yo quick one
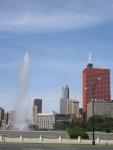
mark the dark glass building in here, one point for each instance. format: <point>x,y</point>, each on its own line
<point>38,105</point>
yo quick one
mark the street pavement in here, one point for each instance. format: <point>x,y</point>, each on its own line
<point>52,147</point>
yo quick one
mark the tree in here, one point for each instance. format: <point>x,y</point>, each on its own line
<point>102,123</point>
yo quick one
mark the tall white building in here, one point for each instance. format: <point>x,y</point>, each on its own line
<point>65,92</point>
<point>67,105</point>
<point>63,99</point>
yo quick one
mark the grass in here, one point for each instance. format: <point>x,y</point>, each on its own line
<point>58,144</point>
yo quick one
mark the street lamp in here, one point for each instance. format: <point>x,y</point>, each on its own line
<point>93,122</point>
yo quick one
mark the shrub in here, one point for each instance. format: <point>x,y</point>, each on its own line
<point>75,132</point>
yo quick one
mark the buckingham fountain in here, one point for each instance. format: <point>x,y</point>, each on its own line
<point>21,105</point>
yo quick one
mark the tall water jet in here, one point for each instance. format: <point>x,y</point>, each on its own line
<point>21,107</point>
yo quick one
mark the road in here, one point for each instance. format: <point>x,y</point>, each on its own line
<point>52,147</point>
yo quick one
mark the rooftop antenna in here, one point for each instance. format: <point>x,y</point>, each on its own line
<point>90,64</point>
<point>90,58</point>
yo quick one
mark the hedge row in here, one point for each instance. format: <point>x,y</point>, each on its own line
<point>75,132</point>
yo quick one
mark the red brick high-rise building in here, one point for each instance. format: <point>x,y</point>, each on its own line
<point>96,85</point>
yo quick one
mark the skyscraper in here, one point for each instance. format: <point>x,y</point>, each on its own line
<point>36,108</point>
<point>63,100</point>
<point>67,105</point>
<point>38,105</point>
<point>98,77</point>
<point>65,92</point>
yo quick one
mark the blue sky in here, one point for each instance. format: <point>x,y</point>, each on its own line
<point>58,35</point>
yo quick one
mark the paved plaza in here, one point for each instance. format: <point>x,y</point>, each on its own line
<point>50,134</point>
<point>34,134</point>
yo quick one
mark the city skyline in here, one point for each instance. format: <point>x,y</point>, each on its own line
<point>58,36</point>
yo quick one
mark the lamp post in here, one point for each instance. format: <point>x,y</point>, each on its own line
<point>93,121</point>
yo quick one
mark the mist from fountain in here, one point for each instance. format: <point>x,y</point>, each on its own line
<point>22,104</point>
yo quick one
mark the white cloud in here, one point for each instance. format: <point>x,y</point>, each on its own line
<point>63,21</point>
<point>74,16</point>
